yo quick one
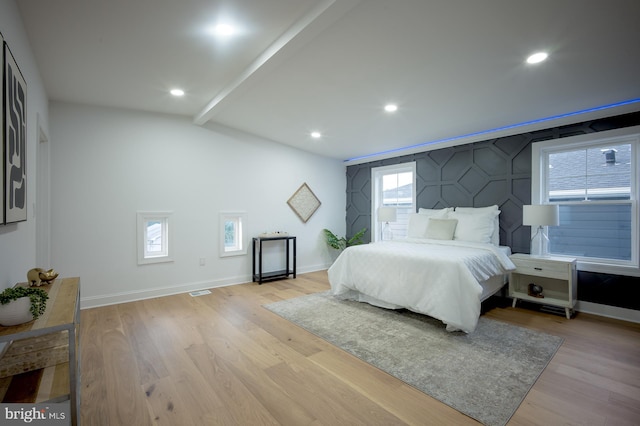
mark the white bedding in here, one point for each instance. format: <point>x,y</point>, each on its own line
<point>439,278</point>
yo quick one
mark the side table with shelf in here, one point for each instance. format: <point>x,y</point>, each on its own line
<point>556,275</point>
<point>260,276</point>
<point>60,319</point>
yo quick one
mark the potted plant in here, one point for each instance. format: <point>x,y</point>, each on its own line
<point>340,243</point>
<point>21,304</point>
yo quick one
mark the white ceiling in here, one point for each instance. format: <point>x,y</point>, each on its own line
<point>454,67</point>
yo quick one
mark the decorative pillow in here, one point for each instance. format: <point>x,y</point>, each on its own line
<point>474,227</point>
<point>441,229</point>
<point>495,237</point>
<point>435,212</point>
<point>417,225</point>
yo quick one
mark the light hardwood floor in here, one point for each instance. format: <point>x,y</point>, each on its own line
<point>223,359</point>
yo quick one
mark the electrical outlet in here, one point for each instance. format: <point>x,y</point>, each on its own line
<point>202,261</point>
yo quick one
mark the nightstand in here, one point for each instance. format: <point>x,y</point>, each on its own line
<point>556,275</point>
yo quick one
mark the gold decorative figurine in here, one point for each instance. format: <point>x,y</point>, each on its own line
<point>38,276</point>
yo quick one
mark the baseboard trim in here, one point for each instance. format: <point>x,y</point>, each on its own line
<point>614,312</point>
<point>134,295</point>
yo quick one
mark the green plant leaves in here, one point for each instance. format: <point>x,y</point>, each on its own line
<point>37,296</point>
<point>340,243</point>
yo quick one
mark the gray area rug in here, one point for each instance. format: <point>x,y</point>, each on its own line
<point>485,374</point>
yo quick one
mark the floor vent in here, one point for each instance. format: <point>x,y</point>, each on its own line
<point>199,293</point>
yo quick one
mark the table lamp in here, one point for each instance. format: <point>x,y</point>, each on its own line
<point>540,216</point>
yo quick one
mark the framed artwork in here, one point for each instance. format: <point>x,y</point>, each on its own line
<point>15,140</point>
<point>2,127</point>
<point>304,202</point>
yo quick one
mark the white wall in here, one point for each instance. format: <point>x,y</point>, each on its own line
<point>109,163</point>
<point>18,240</point>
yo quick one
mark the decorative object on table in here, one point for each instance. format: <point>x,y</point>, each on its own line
<point>340,243</point>
<point>304,202</point>
<point>386,214</point>
<point>38,276</point>
<point>15,140</point>
<point>273,234</point>
<point>535,290</point>
<point>540,216</point>
<point>21,304</point>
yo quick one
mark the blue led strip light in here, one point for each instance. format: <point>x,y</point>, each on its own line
<point>498,129</point>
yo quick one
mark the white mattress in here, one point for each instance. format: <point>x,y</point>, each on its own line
<point>444,279</point>
<point>494,284</point>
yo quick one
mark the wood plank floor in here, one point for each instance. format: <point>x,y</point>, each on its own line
<point>223,359</point>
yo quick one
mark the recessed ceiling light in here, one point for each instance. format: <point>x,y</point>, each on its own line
<point>537,57</point>
<point>391,107</point>
<point>224,30</point>
<point>177,92</point>
<point>316,135</point>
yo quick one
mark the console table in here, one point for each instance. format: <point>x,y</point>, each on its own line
<point>290,267</point>
<point>62,313</point>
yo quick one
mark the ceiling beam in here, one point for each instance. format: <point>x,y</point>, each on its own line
<point>300,33</point>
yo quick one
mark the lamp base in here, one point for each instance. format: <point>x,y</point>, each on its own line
<point>540,244</point>
<point>387,234</point>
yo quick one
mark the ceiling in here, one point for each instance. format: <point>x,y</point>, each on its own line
<point>455,68</point>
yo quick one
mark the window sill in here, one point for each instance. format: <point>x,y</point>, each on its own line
<point>151,260</point>
<point>603,268</point>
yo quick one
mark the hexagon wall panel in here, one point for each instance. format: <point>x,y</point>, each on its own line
<point>496,171</point>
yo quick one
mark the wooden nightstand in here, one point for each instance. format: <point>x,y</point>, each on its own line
<point>556,275</point>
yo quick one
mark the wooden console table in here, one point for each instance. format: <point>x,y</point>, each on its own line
<point>62,313</point>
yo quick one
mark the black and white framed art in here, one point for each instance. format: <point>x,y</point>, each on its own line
<point>2,128</point>
<point>15,140</point>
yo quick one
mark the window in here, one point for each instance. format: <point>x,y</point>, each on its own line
<point>594,180</point>
<point>393,186</point>
<point>153,237</point>
<point>232,229</point>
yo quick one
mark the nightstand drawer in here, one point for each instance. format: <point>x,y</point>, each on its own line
<point>542,267</point>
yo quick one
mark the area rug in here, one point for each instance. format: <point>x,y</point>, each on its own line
<point>485,374</point>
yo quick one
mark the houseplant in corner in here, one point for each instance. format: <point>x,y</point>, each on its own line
<point>21,304</point>
<point>340,243</point>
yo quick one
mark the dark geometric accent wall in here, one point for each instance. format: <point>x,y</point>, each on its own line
<point>473,175</point>
<point>495,171</point>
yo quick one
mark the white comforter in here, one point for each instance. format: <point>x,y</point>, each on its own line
<point>433,277</point>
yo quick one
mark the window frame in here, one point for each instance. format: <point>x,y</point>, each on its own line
<point>165,255</point>
<point>376,193</point>
<point>539,186</point>
<point>241,219</point>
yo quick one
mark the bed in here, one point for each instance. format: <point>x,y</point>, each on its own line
<point>445,268</point>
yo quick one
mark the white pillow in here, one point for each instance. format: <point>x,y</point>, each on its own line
<point>441,229</point>
<point>435,212</point>
<point>474,227</point>
<point>495,237</point>
<point>417,225</point>
<point>477,209</point>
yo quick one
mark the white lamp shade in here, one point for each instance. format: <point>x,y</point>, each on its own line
<point>386,214</point>
<point>540,215</point>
